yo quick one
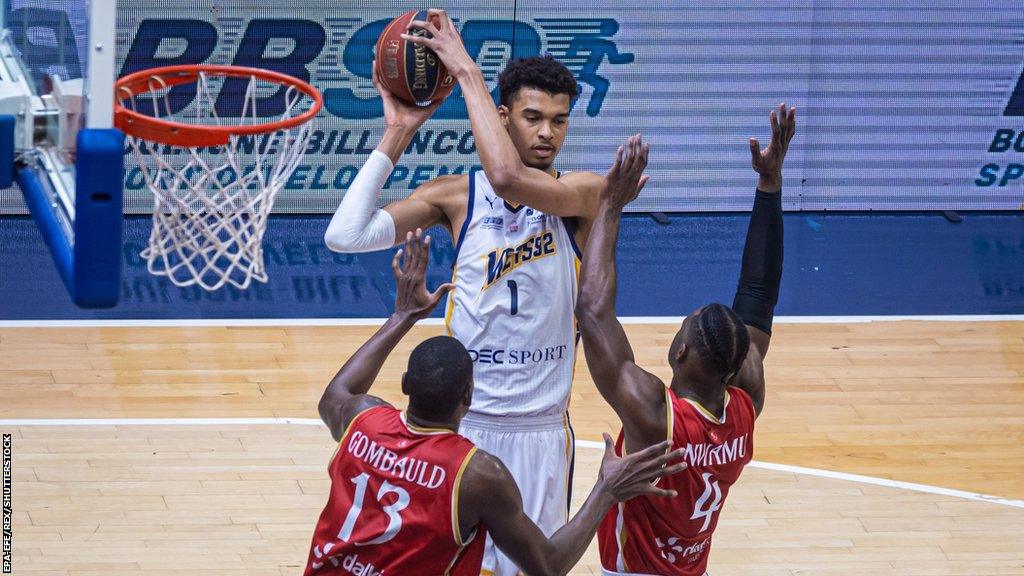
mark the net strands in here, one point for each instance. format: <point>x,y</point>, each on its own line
<point>212,203</point>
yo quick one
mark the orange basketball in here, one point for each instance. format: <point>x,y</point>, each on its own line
<point>411,72</point>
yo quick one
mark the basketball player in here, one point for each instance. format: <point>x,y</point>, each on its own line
<point>717,387</point>
<point>409,495</point>
<point>517,228</point>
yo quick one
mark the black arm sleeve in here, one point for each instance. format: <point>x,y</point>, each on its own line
<point>758,288</point>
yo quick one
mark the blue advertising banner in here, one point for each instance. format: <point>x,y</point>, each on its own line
<point>902,105</point>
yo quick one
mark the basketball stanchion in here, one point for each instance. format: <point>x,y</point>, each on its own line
<point>214,164</point>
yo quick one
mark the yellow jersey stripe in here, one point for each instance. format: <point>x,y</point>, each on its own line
<point>455,497</point>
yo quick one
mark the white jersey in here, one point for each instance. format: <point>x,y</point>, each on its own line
<point>515,276</point>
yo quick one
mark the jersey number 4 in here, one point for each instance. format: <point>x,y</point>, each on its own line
<point>392,510</point>
<point>709,502</point>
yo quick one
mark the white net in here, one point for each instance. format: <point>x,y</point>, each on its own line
<point>212,204</point>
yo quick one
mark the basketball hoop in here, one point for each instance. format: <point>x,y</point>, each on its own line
<point>214,181</point>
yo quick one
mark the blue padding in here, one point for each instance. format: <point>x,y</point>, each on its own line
<point>91,267</point>
<point>99,182</point>
<point>6,150</point>
<point>46,220</point>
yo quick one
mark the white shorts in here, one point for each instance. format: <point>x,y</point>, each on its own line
<point>538,451</point>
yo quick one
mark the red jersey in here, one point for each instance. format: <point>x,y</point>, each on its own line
<point>393,506</point>
<point>672,536</point>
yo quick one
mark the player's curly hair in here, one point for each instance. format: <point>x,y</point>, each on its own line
<point>722,340</point>
<point>540,72</point>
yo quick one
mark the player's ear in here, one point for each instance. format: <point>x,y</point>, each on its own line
<point>467,398</point>
<point>681,353</point>
<point>405,386</point>
<point>503,113</point>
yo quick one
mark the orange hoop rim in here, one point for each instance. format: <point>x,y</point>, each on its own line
<point>173,133</point>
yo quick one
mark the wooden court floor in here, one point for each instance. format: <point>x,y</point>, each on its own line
<point>939,404</point>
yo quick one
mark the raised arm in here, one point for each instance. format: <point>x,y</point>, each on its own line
<point>633,393</point>
<point>358,225</point>
<point>346,395</point>
<point>761,274</point>
<point>511,179</point>
<point>490,497</point>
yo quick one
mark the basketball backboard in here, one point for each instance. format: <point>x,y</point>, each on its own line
<point>57,141</point>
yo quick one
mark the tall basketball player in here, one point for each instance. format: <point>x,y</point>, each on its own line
<point>517,228</point>
<point>717,387</point>
<point>410,496</point>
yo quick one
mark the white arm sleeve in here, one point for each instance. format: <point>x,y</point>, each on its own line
<point>358,225</point>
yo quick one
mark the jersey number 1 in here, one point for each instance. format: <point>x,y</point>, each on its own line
<point>392,510</point>
<point>513,288</point>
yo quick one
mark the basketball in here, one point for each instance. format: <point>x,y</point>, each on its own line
<point>411,72</point>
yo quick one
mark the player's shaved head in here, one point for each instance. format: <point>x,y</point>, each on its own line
<point>439,374</point>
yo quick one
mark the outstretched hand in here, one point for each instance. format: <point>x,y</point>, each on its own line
<point>626,179</point>
<point>413,300</point>
<point>768,162</point>
<point>626,477</point>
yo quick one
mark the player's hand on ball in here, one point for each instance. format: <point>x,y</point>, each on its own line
<point>626,179</point>
<point>412,299</point>
<point>399,114</point>
<point>768,162</point>
<point>444,40</point>
<point>635,474</point>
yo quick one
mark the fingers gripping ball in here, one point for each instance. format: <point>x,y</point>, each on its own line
<point>410,71</point>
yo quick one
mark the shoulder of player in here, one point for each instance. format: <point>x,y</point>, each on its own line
<point>443,189</point>
<point>646,407</point>
<point>448,184</point>
<point>357,406</point>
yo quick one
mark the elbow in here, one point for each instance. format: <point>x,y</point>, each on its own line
<point>345,240</point>
<point>324,409</point>
<point>584,312</point>
<point>587,314</point>
<point>334,244</point>
<point>337,239</point>
<point>504,181</point>
<point>329,415</point>
<point>589,303</point>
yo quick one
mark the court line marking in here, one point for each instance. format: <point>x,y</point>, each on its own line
<point>286,322</point>
<point>589,444</point>
<point>938,490</point>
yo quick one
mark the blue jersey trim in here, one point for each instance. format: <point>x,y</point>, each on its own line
<point>469,215</point>
<point>569,223</point>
